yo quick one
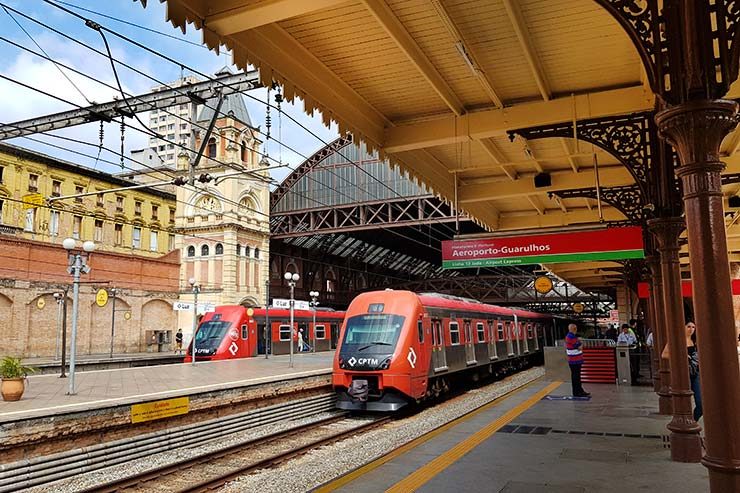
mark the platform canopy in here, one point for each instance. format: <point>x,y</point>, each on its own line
<point>435,86</point>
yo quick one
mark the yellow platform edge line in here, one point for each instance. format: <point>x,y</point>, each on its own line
<point>362,470</point>
<point>422,475</point>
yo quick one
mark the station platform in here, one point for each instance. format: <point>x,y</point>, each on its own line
<point>524,443</point>
<point>47,420</point>
<point>90,362</point>
<point>46,395</point>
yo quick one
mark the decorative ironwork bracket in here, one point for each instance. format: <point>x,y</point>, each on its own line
<point>675,72</point>
<point>632,139</point>
<point>628,199</point>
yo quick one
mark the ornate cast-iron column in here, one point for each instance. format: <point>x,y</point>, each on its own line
<point>685,439</point>
<point>696,129</point>
<point>665,404</point>
<point>653,324</point>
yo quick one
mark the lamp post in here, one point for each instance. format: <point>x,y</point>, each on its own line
<point>196,289</point>
<point>267,315</point>
<point>314,295</point>
<point>292,278</point>
<point>77,267</point>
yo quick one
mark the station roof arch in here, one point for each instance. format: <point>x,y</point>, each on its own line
<point>436,88</point>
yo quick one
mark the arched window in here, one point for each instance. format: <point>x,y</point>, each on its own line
<point>238,250</point>
<point>204,251</point>
<point>212,147</point>
<point>247,251</point>
<point>219,249</point>
<point>191,251</point>
<point>244,151</point>
<point>256,253</point>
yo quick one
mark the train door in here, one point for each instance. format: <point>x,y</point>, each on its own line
<point>517,334</point>
<point>334,335</point>
<point>469,344</point>
<point>526,331</point>
<point>509,340</point>
<point>303,338</point>
<point>492,350</point>
<point>439,356</point>
<point>263,336</point>
<point>537,337</point>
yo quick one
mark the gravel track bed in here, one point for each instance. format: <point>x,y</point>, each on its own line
<point>319,466</point>
<point>82,481</point>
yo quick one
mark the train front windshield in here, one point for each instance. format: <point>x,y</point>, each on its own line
<point>210,334</point>
<point>373,332</point>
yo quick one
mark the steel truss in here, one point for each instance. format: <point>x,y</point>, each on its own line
<point>403,211</point>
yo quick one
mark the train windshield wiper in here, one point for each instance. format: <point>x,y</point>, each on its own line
<point>376,343</point>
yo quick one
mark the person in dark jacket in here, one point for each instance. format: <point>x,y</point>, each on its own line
<point>575,360</point>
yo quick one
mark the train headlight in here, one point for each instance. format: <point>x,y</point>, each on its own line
<point>386,363</point>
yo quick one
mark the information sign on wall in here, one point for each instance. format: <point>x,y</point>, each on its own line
<point>149,411</point>
<point>603,244</point>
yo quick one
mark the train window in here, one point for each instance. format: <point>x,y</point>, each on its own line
<point>529,331</point>
<point>500,331</point>
<point>454,333</point>
<point>420,327</point>
<point>320,332</point>
<point>481,332</point>
<point>285,332</point>
<point>245,331</point>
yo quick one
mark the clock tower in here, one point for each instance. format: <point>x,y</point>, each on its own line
<point>224,224</point>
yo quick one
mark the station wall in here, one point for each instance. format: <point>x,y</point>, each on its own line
<point>31,272</point>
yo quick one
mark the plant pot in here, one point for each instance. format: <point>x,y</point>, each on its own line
<point>12,388</point>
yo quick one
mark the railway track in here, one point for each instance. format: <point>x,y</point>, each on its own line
<point>214,469</point>
<point>23,474</point>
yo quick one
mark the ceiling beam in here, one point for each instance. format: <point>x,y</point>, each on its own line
<point>232,16</point>
<point>467,53</point>
<point>395,29</point>
<point>527,220</point>
<point>525,40</point>
<point>611,176</point>
<point>309,76</point>
<point>535,201</point>
<point>495,122</point>
<point>495,153</point>
<point>571,159</point>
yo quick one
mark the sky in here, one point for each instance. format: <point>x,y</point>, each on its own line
<point>19,103</point>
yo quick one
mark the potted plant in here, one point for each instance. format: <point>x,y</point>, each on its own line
<point>13,375</point>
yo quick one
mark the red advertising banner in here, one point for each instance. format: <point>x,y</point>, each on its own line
<point>603,244</point>
<point>687,289</point>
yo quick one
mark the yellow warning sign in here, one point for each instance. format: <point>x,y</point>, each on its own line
<point>543,284</point>
<point>159,409</point>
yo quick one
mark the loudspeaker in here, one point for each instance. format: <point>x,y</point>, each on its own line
<point>734,201</point>
<point>543,180</point>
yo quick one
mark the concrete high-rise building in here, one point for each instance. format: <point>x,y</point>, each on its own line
<point>173,124</point>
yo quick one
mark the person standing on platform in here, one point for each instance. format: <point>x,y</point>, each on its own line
<point>575,360</point>
<point>178,341</point>
<point>694,368</point>
<point>627,338</point>
<point>300,340</point>
<point>612,333</point>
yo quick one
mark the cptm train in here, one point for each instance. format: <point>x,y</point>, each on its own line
<point>233,331</point>
<point>399,347</point>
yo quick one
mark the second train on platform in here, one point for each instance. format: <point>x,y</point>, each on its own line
<point>398,347</point>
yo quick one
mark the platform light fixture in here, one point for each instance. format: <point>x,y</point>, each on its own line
<point>77,265</point>
<point>292,278</point>
<point>196,289</point>
<point>314,303</point>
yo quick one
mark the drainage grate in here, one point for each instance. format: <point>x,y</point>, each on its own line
<point>545,430</point>
<point>525,429</point>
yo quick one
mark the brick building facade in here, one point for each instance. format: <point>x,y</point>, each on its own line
<point>32,271</point>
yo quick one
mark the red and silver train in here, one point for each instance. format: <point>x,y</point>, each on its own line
<point>398,347</point>
<point>233,331</point>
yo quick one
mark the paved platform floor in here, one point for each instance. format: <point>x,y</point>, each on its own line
<point>612,443</point>
<point>102,358</point>
<point>46,395</point>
